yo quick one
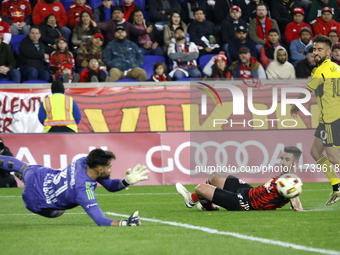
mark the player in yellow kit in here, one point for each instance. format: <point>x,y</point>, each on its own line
<point>325,83</point>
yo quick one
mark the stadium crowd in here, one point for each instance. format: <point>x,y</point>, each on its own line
<point>162,40</point>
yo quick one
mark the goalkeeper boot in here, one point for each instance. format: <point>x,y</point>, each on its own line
<point>185,194</point>
<point>335,196</point>
<point>214,207</point>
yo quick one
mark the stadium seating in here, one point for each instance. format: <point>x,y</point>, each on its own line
<point>203,60</point>
<point>67,4</point>
<point>4,80</point>
<point>127,80</point>
<point>15,43</point>
<point>149,62</point>
<point>35,81</point>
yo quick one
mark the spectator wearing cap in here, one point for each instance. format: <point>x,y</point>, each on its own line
<point>149,43</point>
<point>304,67</point>
<point>62,62</point>
<point>33,58</point>
<point>124,58</point>
<point>333,35</point>
<point>217,67</point>
<point>299,47</point>
<point>241,40</point>
<point>325,23</point>
<point>281,11</point>
<point>84,30</point>
<point>204,34</point>
<point>183,56</point>
<point>50,31</point>
<point>280,68</point>
<point>259,27</point>
<point>129,7</point>
<point>59,113</point>
<point>160,10</point>
<point>92,50</point>
<point>267,51</point>
<point>18,14</point>
<point>104,11</point>
<point>7,63</point>
<point>293,29</point>
<point>247,66</point>
<point>74,13</point>
<point>316,7</point>
<point>109,26</point>
<point>5,32</point>
<point>45,7</point>
<point>230,24</point>
<point>336,53</point>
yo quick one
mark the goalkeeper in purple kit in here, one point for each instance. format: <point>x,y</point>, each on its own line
<point>50,192</point>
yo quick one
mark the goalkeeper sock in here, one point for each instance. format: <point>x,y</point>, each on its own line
<point>11,164</point>
<point>194,197</point>
<point>327,168</point>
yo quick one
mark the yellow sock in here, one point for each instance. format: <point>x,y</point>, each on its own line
<point>327,168</point>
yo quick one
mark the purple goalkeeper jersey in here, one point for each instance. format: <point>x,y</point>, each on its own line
<point>46,188</point>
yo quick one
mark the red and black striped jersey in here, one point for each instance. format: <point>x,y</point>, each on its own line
<point>266,196</point>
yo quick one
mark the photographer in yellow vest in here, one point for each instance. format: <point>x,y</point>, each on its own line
<point>59,113</point>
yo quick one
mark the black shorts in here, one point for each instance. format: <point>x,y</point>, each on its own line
<point>329,133</point>
<point>234,195</point>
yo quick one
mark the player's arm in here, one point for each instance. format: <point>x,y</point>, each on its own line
<point>296,204</point>
<point>87,199</point>
<point>295,110</point>
<point>137,174</point>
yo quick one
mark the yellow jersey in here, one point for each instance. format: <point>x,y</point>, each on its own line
<point>326,84</point>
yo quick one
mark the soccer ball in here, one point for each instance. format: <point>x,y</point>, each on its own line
<point>289,185</point>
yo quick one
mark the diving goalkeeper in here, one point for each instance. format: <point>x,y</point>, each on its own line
<point>50,192</point>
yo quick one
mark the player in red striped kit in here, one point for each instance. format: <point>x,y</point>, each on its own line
<point>235,195</point>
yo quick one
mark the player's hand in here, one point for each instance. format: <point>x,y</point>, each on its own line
<point>137,174</point>
<point>294,111</point>
<point>132,221</point>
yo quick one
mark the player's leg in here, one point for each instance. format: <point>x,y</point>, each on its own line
<point>11,164</point>
<point>205,194</point>
<point>330,136</point>
<point>190,199</point>
<point>218,179</point>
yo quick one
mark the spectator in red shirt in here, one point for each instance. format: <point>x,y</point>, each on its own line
<point>46,7</point>
<point>5,32</point>
<point>18,14</point>
<point>293,29</point>
<point>75,10</point>
<point>326,22</point>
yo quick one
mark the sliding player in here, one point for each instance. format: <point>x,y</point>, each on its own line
<point>50,192</point>
<point>235,195</point>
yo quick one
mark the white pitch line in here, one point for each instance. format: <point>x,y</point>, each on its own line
<point>236,235</point>
<point>117,194</point>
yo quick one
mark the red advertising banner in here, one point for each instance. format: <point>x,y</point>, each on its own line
<point>160,109</point>
<point>186,157</point>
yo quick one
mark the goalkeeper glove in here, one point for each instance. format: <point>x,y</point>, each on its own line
<point>132,221</point>
<point>137,174</point>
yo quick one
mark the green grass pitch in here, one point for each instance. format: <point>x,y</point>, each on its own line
<point>316,231</point>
